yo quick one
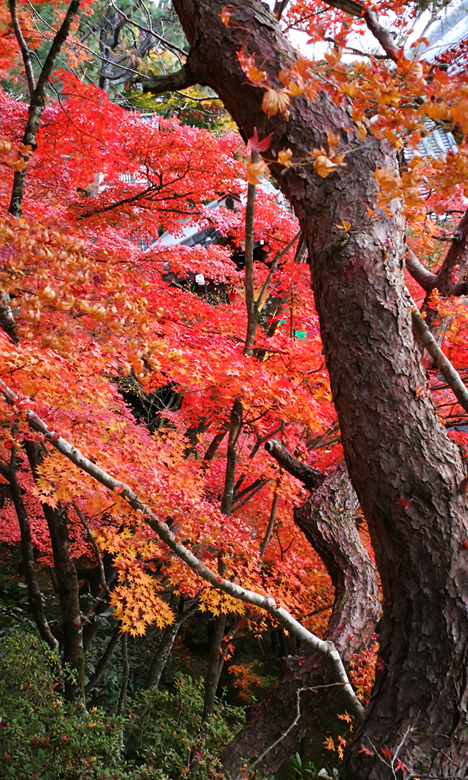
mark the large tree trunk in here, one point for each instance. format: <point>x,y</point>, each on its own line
<point>407,473</point>
<point>301,696</point>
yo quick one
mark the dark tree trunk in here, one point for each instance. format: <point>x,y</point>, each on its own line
<point>297,700</point>
<point>67,586</point>
<point>34,592</point>
<point>405,470</point>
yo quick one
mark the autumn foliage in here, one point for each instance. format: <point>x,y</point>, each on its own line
<point>119,348</point>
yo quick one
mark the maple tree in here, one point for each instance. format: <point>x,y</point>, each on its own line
<point>90,319</point>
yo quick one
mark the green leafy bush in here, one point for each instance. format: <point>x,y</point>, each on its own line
<point>44,737</point>
<point>41,736</point>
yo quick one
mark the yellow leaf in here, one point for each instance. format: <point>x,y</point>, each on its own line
<point>362,132</point>
<point>17,165</point>
<point>275,100</point>
<point>254,170</point>
<point>324,166</point>
<point>295,89</point>
<point>344,226</point>
<point>284,158</point>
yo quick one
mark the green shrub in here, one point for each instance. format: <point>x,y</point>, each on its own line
<point>44,737</point>
<point>167,730</point>
<point>41,736</point>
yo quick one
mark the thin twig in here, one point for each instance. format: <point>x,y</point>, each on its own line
<point>261,298</point>
<point>247,772</point>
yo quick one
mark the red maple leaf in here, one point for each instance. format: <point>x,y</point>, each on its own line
<point>259,146</point>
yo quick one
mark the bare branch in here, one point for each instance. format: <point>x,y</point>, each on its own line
<point>279,255</point>
<point>167,44</point>
<point>37,104</point>
<point>450,374</point>
<point>25,53</point>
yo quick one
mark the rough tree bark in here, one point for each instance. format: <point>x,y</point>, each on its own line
<point>328,520</point>
<point>408,475</point>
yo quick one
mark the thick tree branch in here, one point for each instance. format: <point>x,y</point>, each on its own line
<point>359,10</point>
<point>426,279</point>
<point>328,520</point>
<point>67,582</point>
<point>271,523</point>
<point>235,427</point>
<point>7,321</point>
<point>310,477</point>
<point>280,7</point>
<point>181,79</point>
<point>450,279</point>
<point>381,34</point>
<point>162,530</point>
<point>451,276</point>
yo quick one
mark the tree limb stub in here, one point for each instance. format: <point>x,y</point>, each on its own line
<point>310,477</point>
<point>162,530</point>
